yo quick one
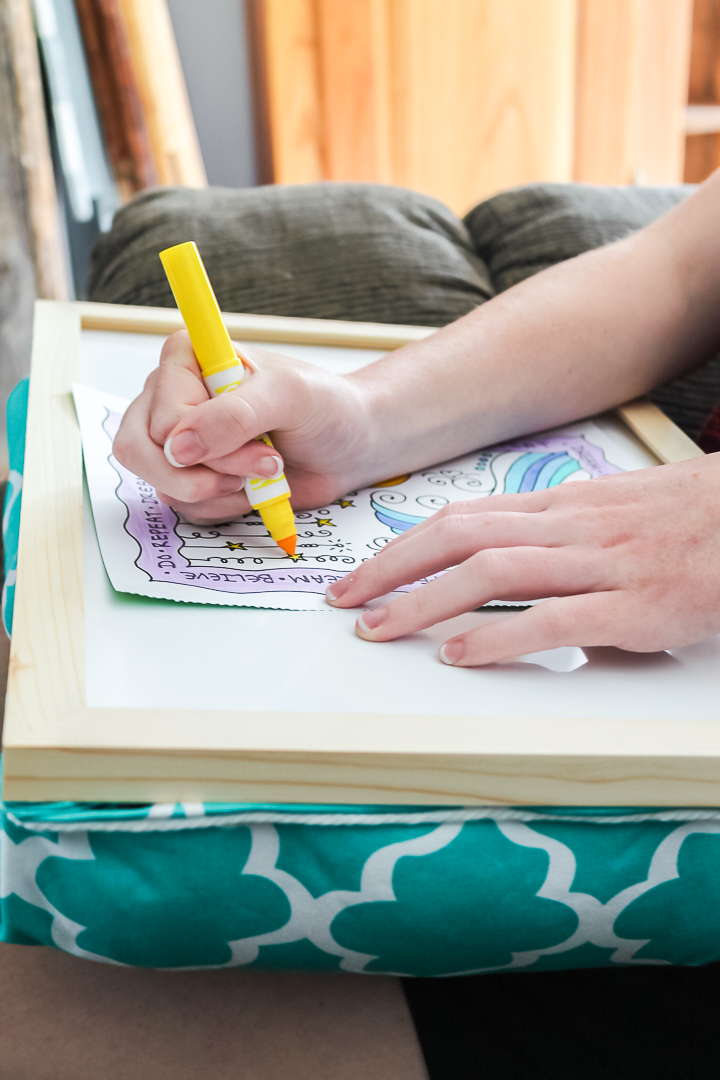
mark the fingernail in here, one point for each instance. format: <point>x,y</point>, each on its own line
<point>184,449</point>
<point>451,652</point>
<point>370,620</point>
<point>168,455</point>
<point>271,468</point>
<point>338,588</point>
<point>230,484</point>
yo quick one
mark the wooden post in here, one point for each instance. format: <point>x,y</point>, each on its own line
<point>162,87</point>
<point>28,188</point>
<point>32,256</point>
<point>117,95</point>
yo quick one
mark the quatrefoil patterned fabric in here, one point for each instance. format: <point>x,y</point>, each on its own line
<point>410,890</point>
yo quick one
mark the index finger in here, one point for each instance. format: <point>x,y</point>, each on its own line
<point>177,386</point>
<point>448,540</point>
<point>134,449</point>
<point>533,502</point>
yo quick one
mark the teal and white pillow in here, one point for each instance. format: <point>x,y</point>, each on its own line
<point>409,890</point>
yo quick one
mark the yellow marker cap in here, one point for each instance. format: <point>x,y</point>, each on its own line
<point>199,308</point>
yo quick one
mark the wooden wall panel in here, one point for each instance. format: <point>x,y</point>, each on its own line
<point>465,98</point>
<point>482,94</point>
<point>633,61</point>
<point>455,99</point>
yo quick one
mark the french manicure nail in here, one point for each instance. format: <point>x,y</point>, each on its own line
<point>184,449</point>
<point>451,652</point>
<point>370,620</point>
<point>168,455</point>
<point>338,588</point>
<point>271,468</point>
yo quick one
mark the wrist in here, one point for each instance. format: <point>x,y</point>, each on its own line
<point>376,418</point>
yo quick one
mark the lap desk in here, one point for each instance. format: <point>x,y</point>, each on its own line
<point>114,698</point>
<point>358,807</point>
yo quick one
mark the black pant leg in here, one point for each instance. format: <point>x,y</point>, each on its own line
<point>595,1024</point>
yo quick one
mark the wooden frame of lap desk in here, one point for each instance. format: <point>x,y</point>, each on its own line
<point>58,748</point>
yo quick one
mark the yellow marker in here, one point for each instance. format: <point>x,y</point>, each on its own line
<point>222,371</point>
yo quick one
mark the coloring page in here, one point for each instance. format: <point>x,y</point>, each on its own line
<point>150,550</point>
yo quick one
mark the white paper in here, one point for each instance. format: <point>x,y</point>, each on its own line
<point>150,550</point>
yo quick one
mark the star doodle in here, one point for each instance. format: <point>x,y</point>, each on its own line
<point>235,547</point>
<point>345,503</point>
<point>297,557</point>
<point>325,521</point>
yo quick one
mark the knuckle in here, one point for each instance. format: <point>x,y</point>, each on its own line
<point>123,447</point>
<point>212,511</point>
<point>160,429</point>
<point>375,572</point>
<point>558,623</point>
<point>611,625</point>
<point>445,511</point>
<point>198,488</point>
<point>182,488</point>
<point>468,508</point>
<point>409,608</point>
<point>231,417</point>
<point>490,566</point>
<point>174,344</point>
<point>197,516</point>
<point>151,381</point>
<point>451,527</point>
<point>239,409</point>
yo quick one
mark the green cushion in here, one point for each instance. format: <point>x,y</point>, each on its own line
<point>527,229</point>
<point>363,252</point>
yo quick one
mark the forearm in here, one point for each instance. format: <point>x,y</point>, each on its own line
<point>579,338</point>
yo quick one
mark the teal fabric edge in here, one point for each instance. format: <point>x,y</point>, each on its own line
<point>16,422</point>
<point>75,817</point>
<point>192,815</point>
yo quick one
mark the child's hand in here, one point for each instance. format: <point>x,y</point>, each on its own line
<point>317,421</point>
<point>632,560</point>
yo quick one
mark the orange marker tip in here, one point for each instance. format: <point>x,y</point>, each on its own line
<point>288,544</point>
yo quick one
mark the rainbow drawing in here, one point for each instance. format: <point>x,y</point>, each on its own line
<point>538,471</point>
<point>529,465</point>
<point>389,515</point>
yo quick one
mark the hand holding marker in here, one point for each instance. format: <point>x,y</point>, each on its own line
<point>223,371</point>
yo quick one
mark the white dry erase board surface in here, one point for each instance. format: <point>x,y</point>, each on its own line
<point>120,697</point>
